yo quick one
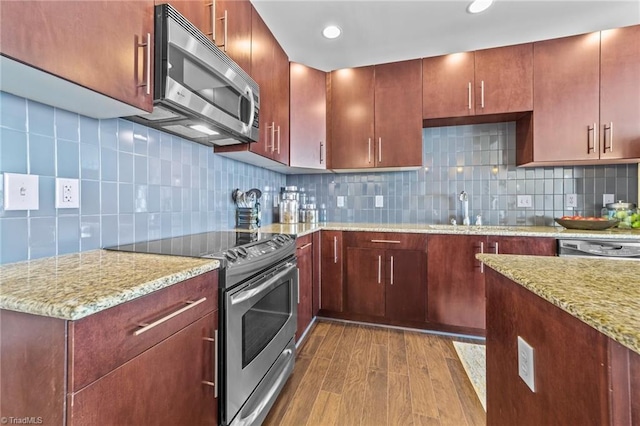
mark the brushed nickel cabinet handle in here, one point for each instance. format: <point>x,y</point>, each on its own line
<point>591,138</point>
<point>604,137</point>
<point>379,269</point>
<point>335,249</point>
<point>213,384</point>
<point>391,270</point>
<point>496,247</point>
<point>469,93</point>
<point>273,136</point>
<point>147,65</point>
<point>321,152</point>
<point>147,327</point>
<point>212,6</point>
<point>369,150</point>
<point>386,241</point>
<point>278,139</point>
<point>482,94</point>
<point>481,263</point>
<point>224,40</point>
<point>305,246</point>
<point>379,150</point>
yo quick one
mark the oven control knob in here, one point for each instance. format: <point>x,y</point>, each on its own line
<point>231,255</point>
<point>242,252</point>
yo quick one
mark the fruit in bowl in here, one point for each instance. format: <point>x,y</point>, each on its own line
<point>586,222</point>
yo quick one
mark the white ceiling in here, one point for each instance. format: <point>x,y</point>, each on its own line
<point>380,31</point>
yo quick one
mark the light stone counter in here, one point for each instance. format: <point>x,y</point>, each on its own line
<point>604,294</point>
<point>521,231</point>
<point>77,285</point>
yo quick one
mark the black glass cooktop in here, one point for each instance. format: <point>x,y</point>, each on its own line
<point>206,244</point>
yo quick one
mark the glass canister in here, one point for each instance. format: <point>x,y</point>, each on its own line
<point>623,212</point>
<point>289,204</point>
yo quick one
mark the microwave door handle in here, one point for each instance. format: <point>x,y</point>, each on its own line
<point>246,127</point>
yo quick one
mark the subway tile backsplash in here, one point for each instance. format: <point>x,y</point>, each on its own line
<point>136,183</point>
<point>478,159</point>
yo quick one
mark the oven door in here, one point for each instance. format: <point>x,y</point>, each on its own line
<point>261,318</point>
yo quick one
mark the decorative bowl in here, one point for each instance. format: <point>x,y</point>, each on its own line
<point>586,224</point>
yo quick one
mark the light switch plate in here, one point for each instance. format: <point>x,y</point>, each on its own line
<point>21,192</point>
<point>379,201</point>
<point>526,363</point>
<point>608,199</point>
<point>340,201</point>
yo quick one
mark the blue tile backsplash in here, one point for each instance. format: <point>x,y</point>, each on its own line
<point>136,183</point>
<point>478,159</point>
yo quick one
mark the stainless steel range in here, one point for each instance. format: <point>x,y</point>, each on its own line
<point>258,314</point>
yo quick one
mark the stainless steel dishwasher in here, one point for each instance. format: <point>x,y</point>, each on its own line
<point>609,249</point>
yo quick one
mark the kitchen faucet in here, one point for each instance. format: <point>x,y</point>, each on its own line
<point>465,208</point>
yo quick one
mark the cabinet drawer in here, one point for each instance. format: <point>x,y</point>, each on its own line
<point>304,242</point>
<point>386,240</point>
<point>101,342</point>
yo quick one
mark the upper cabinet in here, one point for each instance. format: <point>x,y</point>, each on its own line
<point>100,45</point>
<point>491,81</point>
<point>233,30</point>
<point>586,100</point>
<point>375,116</point>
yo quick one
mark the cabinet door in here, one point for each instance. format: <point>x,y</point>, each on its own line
<point>620,93</point>
<point>95,44</point>
<point>566,95</point>
<point>280,76</point>
<point>163,385</point>
<point>504,79</point>
<point>406,285</point>
<point>233,30</point>
<point>308,132</point>
<point>448,86</point>
<point>352,132</point>
<point>366,269</point>
<point>398,118</point>
<point>532,246</point>
<point>262,60</point>
<point>331,288</point>
<point>304,253</point>
<point>455,293</point>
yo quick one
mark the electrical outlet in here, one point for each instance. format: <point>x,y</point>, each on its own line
<point>67,193</point>
<point>379,201</point>
<point>524,201</point>
<point>608,199</point>
<point>21,192</point>
<point>571,201</point>
<point>526,363</point>
<point>340,201</point>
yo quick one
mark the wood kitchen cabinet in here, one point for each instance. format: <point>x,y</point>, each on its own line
<point>304,253</point>
<point>456,289</point>
<point>308,114</point>
<point>233,30</point>
<point>375,116</point>
<point>332,267</point>
<point>587,100</point>
<point>106,367</point>
<point>98,45</point>
<point>490,81</point>
<point>270,69</point>
<point>386,275</point>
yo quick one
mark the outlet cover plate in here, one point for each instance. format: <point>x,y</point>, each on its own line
<point>526,363</point>
<point>340,201</point>
<point>67,193</point>
<point>524,201</point>
<point>571,201</point>
<point>379,201</point>
<point>21,192</point>
<point>608,199</point>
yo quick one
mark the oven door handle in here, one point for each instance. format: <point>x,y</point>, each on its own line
<point>245,295</point>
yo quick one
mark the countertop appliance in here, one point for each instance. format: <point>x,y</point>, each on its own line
<point>259,295</point>
<point>199,93</point>
<point>620,249</point>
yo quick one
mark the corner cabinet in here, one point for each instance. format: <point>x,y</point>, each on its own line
<point>587,100</point>
<point>78,41</point>
<point>375,116</point>
<point>386,276</point>
<point>456,289</point>
<point>491,81</point>
<point>121,365</point>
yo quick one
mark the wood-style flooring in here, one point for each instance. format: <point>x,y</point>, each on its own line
<point>353,374</point>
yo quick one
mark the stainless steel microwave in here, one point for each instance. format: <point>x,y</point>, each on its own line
<point>199,92</point>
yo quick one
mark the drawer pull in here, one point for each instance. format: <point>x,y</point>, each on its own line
<point>305,246</point>
<point>147,327</point>
<point>386,241</point>
<point>335,249</point>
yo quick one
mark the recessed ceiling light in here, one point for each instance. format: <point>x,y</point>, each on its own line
<point>478,6</point>
<point>331,31</point>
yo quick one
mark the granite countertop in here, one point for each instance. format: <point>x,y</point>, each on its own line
<point>522,231</point>
<point>74,286</point>
<point>602,293</point>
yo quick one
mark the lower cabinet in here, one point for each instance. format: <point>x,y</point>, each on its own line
<point>386,275</point>
<point>304,253</point>
<point>152,360</point>
<point>456,290</point>
<point>331,272</point>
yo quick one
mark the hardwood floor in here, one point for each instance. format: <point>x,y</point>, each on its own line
<point>351,374</point>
